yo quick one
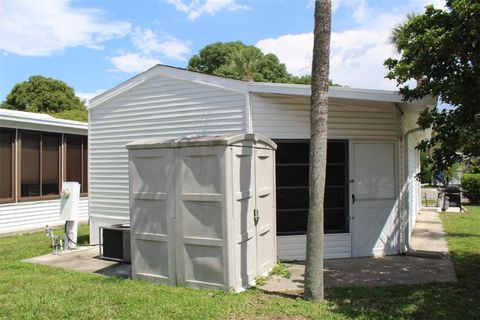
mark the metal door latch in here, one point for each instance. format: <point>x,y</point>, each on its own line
<point>256,216</point>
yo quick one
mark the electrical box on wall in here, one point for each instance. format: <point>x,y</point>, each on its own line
<point>70,197</point>
<point>202,210</point>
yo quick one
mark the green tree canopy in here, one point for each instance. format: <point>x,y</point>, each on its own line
<point>441,48</point>
<point>46,95</point>
<point>239,61</point>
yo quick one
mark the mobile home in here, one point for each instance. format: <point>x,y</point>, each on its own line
<point>371,194</point>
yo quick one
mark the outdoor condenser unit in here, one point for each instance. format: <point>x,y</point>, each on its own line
<point>115,243</point>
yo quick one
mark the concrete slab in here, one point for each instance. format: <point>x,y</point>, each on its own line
<point>370,272</point>
<point>428,237</point>
<point>428,234</point>
<point>84,259</point>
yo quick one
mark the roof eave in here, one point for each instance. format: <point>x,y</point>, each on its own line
<point>171,72</point>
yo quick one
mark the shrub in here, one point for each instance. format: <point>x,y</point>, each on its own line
<point>471,187</point>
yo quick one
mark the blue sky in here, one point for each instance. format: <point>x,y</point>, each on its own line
<point>95,45</point>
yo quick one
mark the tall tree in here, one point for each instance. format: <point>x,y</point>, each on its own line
<point>46,95</point>
<point>314,287</point>
<point>239,61</point>
<point>441,48</point>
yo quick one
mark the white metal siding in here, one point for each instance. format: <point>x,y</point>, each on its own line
<point>288,117</point>
<point>414,186</point>
<point>22,216</point>
<point>160,107</point>
<point>294,247</point>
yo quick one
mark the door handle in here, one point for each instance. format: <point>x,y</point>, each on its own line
<point>353,198</point>
<point>256,216</point>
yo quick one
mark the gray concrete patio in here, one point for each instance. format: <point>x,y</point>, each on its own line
<point>84,259</point>
<point>428,237</point>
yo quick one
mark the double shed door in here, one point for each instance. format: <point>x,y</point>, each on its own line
<point>178,216</point>
<point>254,213</point>
<point>179,229</point>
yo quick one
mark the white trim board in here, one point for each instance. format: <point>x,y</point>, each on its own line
<point>247,87</point>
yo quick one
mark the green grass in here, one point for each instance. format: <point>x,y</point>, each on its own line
<point>280,269</point>
<point>30,291</point>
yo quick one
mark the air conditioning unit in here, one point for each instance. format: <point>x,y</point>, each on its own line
<point>115,244</point>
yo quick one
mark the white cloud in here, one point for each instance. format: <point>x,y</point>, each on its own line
<point>133,62</point>
<point>356,57</point>
<point>197,8</point>
<point>88,95</point>
<point>38,28</point>
<point>295,50</point>
<point>148,42</point>
<point>359,8</point>
<point>438,4</point>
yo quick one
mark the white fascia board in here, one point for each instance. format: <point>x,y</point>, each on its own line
<point>335,92</point>
<point>18,119</point>
<point>171,72</point>
<point>253,87</point>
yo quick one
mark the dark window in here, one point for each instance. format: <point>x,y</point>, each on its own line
<point>40,164</point>
<point>50,164</point>
<point>7,139</point>
<point>292,173</point>
<point>76,161</point>
<point>30,164</point>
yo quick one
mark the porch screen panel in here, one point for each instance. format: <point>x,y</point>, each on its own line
<point>6,163</point>
<point>50,164</point>
<point>292,173</point>
<point>76,161</point>
<point>30,164</point>
<point>292,187</point>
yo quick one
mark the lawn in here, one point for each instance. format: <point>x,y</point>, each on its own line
<point>30,291</point>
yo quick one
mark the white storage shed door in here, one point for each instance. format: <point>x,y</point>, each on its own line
<point>374,224</point>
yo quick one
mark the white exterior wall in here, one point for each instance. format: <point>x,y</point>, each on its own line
<point>288,117</point>
<point>410,166</point>
<point>159,107</point>
<point>283,117</point>
<point>414,189</point>
<point>292,248</point>
<point>29,215</point>
<point>23,216</point>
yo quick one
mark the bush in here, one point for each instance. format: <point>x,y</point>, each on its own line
<point>471,187</point>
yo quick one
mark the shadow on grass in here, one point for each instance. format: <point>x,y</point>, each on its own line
<point>447,300</point>
<point>459,300</point>
<point>83,239</point>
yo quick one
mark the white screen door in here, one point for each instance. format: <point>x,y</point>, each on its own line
<point>374,225</point>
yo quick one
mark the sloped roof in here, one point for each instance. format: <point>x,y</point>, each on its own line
<point>254,87</point>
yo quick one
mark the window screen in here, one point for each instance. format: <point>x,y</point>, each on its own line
<point>292,174</point>
<point>6,164</point>
<point>50,164</point>
<point>40,164</point>
<point>30,164</point>
<point>76,161</point>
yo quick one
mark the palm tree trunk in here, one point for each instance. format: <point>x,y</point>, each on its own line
<point>314,286</point>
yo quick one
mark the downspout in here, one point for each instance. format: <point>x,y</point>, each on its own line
<point>406,249</point>
<point>248,113</point>
<point>406,245</point>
